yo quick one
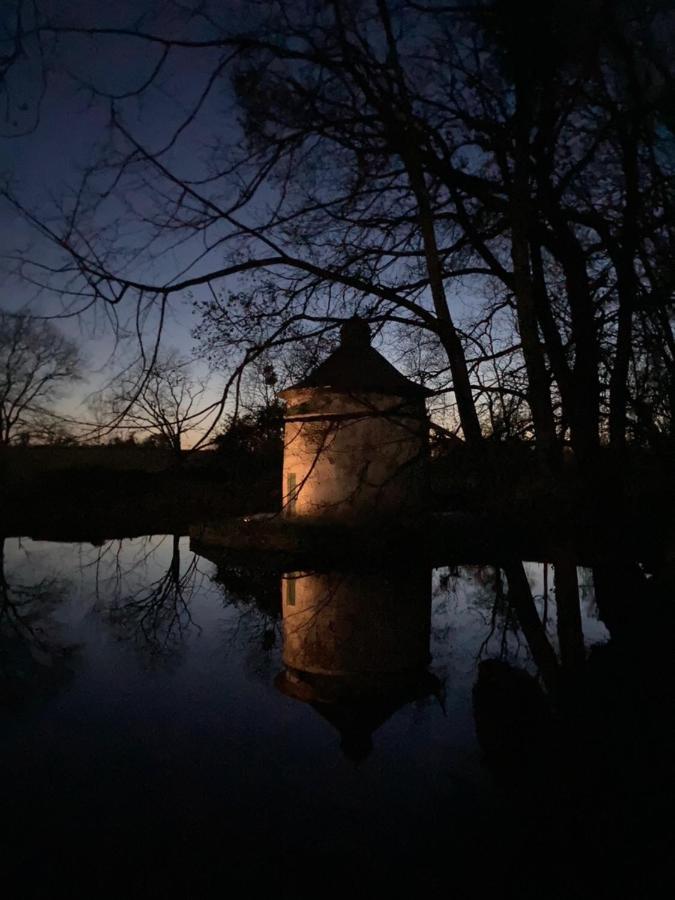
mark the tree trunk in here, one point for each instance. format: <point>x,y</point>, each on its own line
<point>627,290</point>
<point>174,566</point>
<point>403,137</point>
<point>618,382</point>
<point>447,332</point>
<point>549,329</point>
<point>520,596</point>
<point>539,395</point>
<point>570,632</point>
<point>584,415</point>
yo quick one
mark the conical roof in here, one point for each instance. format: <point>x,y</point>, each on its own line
<point>356,367</point>
<point>357,711</point>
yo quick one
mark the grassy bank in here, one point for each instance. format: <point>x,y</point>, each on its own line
<point>133,495</point>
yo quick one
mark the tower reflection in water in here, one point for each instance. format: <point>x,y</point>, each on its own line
<point>356,647</point>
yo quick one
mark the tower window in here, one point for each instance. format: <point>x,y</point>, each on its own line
<point>291,491</point>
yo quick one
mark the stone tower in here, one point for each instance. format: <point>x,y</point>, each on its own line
<point>355,437</point>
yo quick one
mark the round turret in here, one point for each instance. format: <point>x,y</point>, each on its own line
<point>355,437</point>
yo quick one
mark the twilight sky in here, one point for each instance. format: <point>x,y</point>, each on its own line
<point>46,142</point>
<point>48,139</point>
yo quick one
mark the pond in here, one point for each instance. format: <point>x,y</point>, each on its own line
<point>172,724</point>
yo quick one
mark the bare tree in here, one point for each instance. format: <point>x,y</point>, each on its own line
<point>36,362</point>
<point>165,405</point>
<point>395,159</point>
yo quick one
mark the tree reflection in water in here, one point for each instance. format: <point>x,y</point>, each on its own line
<point>575,736</point>
<point>252,589</point>
<point>155,615</point>
<point>584,748</point>
<point>33,658</point>
<point>578,750</point>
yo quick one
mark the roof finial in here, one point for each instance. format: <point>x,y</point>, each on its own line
<point>355,333</point>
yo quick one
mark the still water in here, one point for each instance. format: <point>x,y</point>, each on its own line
<point>174,725</point>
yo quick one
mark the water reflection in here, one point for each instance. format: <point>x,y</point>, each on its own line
<point>156,614</point>
<point>33,653</point>
<point>356,646</point>
<point>517,756</point>
<point>252,590</point>
<point>588,761</point>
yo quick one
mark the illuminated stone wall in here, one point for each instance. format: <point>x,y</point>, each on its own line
<point>348,457</point>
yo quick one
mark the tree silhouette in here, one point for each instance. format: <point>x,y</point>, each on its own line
<point>396,160</point>
<point>36,361</point>
<point>163,404</point>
